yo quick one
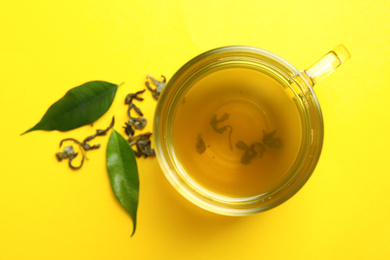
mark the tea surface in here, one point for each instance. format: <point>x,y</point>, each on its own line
<point>236,132</point>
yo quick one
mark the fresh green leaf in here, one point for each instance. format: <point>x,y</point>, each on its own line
<point>123,173</point>
<point>80,106</point>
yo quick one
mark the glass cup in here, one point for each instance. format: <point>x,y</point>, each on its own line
<point>194,172</point>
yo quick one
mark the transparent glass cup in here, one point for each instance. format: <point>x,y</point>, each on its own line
<point>299,82</point>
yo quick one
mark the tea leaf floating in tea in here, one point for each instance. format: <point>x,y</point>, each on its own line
<point>84,146</point>
<point>214,123</point>
<point>123,173</point>
<point>260,147</point>
<point>200,145</point>
<point>80,106</point>
<point>159,86</point>
<point>270,141</point>
<point>249,152</point>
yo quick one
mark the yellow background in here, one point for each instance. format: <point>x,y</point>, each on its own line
<point>48,211</point>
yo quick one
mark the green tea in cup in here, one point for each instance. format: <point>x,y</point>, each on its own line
<point>238,130</point>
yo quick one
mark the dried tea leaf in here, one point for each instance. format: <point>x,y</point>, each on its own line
<point>66,154</point>
<point>159,86</point>
<point>84,146</point>
<point>138,123</point>
<point>143,144</point>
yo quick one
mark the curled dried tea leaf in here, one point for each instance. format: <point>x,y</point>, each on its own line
<point>66,154</point>
<point>159,86</point>
<point>128,129</point>
<point>76,167</point>
<point>144,148</point>
<point>129,101</point>
<point>104,132</point>
<point>73,155</point>
<point>138,123</point>
<point>69,153</point>
<point>71,139</point>
<point>200,145</point>
<point>84,146</point>
<point>143,144</point>
<point>270,141</point>
<point>132,106</point>
<point>99,132</point>
<point>129,98</point>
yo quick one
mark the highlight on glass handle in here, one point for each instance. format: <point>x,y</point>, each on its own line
<point>327,64</point>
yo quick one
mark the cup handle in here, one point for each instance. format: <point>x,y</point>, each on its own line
<point>327,64</point>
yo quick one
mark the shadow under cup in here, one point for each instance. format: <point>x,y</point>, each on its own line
<point>238,130</point>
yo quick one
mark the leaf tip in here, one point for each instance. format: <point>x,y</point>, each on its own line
<point>134,219</point>
<point>132,234</point>
<point>28,131</point>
